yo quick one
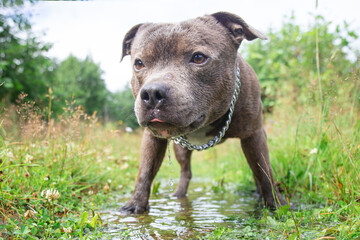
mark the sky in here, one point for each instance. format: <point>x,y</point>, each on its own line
<point>96,28</point>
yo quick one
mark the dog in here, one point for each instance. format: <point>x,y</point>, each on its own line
<point>186,83</point>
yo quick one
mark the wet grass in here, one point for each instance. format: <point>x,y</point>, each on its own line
<point>315,158</point>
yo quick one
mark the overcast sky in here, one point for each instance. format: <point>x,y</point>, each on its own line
<point>96,28</point>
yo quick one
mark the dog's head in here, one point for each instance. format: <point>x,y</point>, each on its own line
<point>184,73</point>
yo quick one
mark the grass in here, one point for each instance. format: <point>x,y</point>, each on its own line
<point>315,155</point>
<point>76,156</point>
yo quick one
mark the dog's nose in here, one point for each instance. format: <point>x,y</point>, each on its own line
<point>153,94</point>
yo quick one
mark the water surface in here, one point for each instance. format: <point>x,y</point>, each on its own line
<point>171,218</point>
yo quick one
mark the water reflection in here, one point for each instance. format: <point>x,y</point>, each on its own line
<point>172,218</point>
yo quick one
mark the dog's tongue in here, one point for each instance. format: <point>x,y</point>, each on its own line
<point>161,131</point>
<point>157,120</point>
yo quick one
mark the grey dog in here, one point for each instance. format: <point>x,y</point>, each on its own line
<point>185,81</point>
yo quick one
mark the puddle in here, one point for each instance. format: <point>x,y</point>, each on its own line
<point>172,218</point>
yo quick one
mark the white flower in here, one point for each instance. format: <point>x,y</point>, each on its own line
<point>28,158</point>
<point>10,155</point>
<point>30,214</point>
<point>314,151</point>
<point>50,194</point>
<point>124,166</point>
<point>129,129</point>
<point>67,230</point>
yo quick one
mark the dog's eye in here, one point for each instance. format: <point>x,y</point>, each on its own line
<point>199,58</point>
<point>138,64</point>
<point>239,31</point>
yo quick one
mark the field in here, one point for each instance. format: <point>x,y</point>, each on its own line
<point>68,161</point>
<point>315,154</point>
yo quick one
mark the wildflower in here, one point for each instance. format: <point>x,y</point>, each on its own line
<point>91,192</point>
<point>67,230</point>
<point>47,177</point>
<point>50,194</point>
<point>10,155</point>
<point>28,158</point>
<point>313,151</point>
<point>106,187</point>
<point>124,166</point>
<point>29,214</point>
<point>129,130</point>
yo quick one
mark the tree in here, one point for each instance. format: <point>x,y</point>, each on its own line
<point>121,107</point>
<point>288,60</point>
<point>23,66</point>
<point>82,81</point>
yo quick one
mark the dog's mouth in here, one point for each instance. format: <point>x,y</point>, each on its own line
<point>166,129</point>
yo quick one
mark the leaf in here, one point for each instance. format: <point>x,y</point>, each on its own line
<point>290,223</point>
<point>293,237</point>
<point>272,222</point>
<point>83,218</point>
<point>353,34</point>
<point>283,210</point>
<point>94,221</point>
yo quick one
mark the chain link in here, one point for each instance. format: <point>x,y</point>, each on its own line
<point>182,141</point>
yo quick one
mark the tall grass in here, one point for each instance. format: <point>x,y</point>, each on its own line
<point>316,159</point>
<point>89,163</point>
<point>314,149</point>
<point>77,156</point>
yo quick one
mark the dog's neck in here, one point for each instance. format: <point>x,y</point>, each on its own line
<point>183,141</point>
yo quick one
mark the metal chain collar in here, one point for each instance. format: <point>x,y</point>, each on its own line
<point>186,144</point>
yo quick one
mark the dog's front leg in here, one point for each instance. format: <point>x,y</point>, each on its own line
<point>257,154</point>
<point>152,154</point>
<point>183,156</point>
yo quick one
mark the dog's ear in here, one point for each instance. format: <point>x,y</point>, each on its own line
<point>238,27</point>
<point>128,39</point>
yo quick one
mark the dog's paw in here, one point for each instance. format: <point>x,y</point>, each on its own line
<point>133,208</point>
<point>277,203</point>
<point>179,193</point>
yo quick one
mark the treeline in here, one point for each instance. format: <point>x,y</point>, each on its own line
<point>306,64</point>
<point>25,68</point>
<point>300,64</point>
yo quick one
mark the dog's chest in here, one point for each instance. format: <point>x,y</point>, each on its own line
<point>200,136</point>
